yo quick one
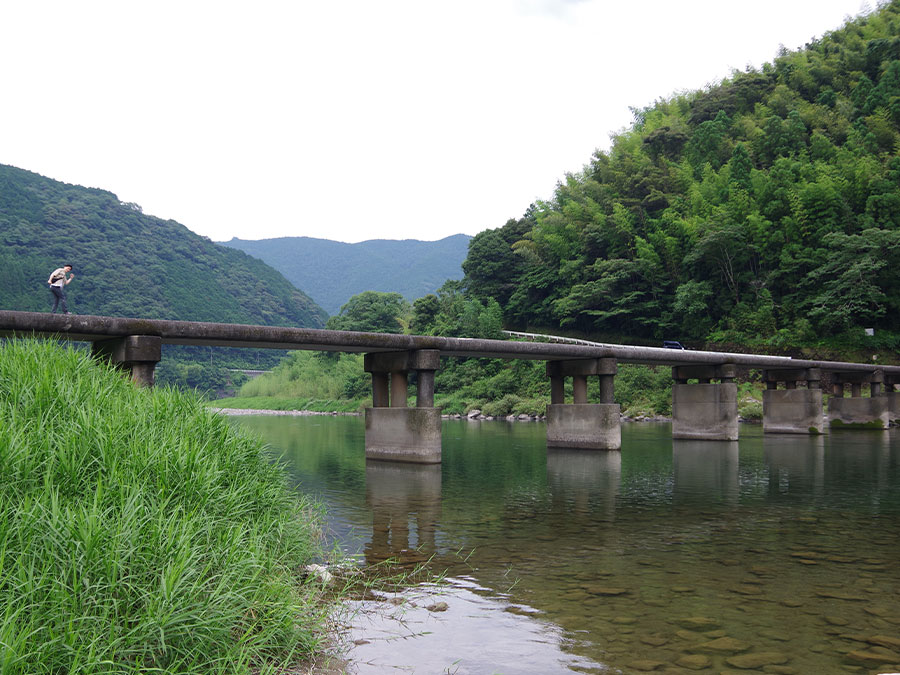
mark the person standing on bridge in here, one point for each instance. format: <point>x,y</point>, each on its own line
<point>59,279</point>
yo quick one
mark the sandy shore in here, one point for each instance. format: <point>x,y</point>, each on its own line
<point>293,413</point>
<point>471,418</point>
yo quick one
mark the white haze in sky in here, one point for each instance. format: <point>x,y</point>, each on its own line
<point>356,119</point>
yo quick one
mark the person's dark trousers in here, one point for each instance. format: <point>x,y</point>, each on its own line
<point>59,296</point>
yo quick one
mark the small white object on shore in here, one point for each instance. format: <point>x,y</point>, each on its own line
<point>321,572</point>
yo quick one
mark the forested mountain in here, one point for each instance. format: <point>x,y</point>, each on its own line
<point>764,209</point>
<point>332,271</point>
<point>130,264</point>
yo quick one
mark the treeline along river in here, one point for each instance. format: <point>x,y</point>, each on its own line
<point>774,552</point>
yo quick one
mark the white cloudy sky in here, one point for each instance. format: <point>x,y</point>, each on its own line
<point>355,119</point>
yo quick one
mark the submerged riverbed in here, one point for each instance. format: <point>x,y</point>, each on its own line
<point>775,554</point>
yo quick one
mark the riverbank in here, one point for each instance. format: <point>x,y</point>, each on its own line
<point>143,533</point>
<point>472,416</point>
<point>293,413</point>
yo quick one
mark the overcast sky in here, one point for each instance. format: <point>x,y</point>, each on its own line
<point>356,119</point>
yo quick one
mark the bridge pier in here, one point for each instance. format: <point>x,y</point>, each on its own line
<point>706,410</point>
<point>581,424</point>
<point>394,431</point>
<point>891,380</point>
<point>793,410</point>
<point>137,354</point>
<point>857,411</point>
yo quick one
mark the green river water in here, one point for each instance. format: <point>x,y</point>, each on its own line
<point>773,554</point>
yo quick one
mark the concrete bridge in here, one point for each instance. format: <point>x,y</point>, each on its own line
<point>704,394</point>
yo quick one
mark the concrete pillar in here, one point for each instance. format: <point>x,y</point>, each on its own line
<point>138,354</point>
<point>425,389</point>
<point>579,389</point>
<point>706,411</point>
<point>793,410</point>
<point>557,390</point>
<point>581,424</point>
<point>857,411</point>
<point>381,397</point>
<point>892,395</point>
<point>395,432</point>
<point>584,425</point>
<point>399,388</point>
<point>607,389</point>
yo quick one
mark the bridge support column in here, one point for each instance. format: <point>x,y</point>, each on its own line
<point>858,411</point>
<point>705,411</point>
<point>394,431</point>
<point>792,410</point>
<point>138,354</point>
<point>891,380</point>
<point>581,424</point>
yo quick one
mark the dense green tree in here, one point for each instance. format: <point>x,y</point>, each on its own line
<point>692,300</point>
<point>745,211</point>
<point>491,264</point>
<point>850,288</point>
<point>425,311</point>
<point>709,141</point>
<point>740,166</point>
<point>490,321</point>
<point>372,312</point>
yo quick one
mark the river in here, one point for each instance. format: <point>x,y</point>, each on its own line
<point>776,554</point>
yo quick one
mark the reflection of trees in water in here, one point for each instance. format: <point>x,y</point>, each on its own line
<point>863,455</point>
<point>840,465</point>
<point>405,500</point>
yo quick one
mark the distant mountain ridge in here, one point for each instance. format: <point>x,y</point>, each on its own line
<point>332,272</point>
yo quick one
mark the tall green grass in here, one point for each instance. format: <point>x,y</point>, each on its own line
<point>312,376</point>
<point>139,532</point>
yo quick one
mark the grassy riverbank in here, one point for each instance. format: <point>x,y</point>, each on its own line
<point>140,533</point>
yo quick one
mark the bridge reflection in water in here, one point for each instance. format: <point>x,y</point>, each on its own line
<point>795,464</point>
<point>588,482</point>
<point>705,472</point>
<point>405,501</point>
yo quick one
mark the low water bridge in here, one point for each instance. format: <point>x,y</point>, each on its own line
<point>704,394</point>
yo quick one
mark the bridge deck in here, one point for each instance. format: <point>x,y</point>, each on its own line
<point>93,328</point>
